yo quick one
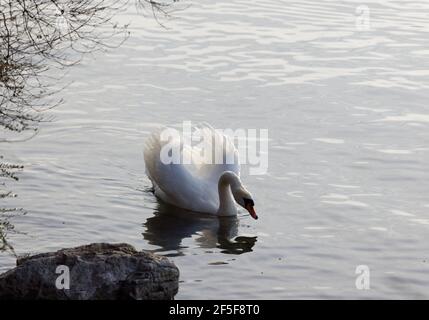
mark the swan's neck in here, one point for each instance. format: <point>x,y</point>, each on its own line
<point>228,180</point>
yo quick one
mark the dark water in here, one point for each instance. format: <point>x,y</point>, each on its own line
<point>348,122</point>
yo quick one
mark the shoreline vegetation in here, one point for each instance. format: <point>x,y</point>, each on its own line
<point>8,171</point>
<point>39,40</point>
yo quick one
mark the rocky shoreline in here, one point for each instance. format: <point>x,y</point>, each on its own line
<point>98,271</point>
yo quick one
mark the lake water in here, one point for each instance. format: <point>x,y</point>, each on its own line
<point>347,111</point>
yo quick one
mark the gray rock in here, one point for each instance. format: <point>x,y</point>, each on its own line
<point>96,271</point>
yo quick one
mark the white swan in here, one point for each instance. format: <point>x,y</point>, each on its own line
<point>198,186</point>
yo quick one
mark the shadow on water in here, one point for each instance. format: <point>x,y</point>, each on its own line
<point>171,225</point>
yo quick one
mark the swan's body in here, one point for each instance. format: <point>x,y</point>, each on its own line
<point>198,186</point>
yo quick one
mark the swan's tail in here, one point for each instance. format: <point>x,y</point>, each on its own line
<point>151,152</point>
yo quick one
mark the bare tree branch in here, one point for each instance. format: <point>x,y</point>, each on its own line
<point>37,37</point>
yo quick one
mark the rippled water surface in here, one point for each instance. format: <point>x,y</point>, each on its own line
<point>348,120</point>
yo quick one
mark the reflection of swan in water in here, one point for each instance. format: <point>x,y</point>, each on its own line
<point>169,226</point>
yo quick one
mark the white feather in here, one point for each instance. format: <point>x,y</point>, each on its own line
<point>191,186</point>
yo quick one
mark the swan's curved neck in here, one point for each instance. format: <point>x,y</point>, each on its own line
<point>228,181</point>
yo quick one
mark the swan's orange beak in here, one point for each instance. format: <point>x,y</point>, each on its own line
<point>252,212</point>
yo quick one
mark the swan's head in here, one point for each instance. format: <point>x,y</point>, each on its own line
<point>244,199</point>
